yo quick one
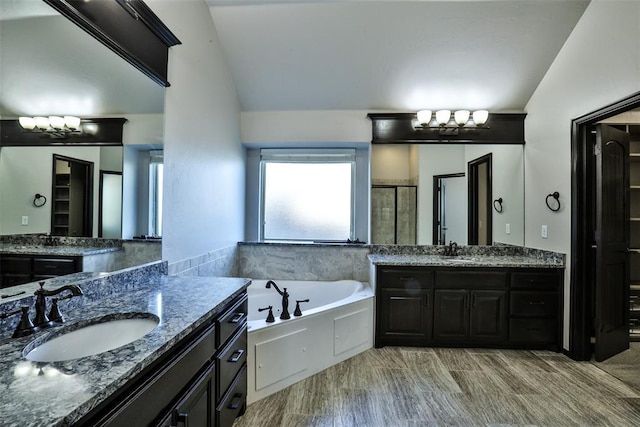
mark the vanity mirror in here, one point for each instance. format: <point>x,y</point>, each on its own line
<point>50,66</point>
<point>414,183</point>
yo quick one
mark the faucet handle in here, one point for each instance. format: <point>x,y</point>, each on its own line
<point>297,312</point>
<point>25,325</point>
<point>270,318</point>
<point>54,313</point>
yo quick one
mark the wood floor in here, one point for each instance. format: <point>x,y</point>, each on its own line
<point>407,387</point>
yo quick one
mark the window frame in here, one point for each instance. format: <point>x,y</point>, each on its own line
<point>306,156</point>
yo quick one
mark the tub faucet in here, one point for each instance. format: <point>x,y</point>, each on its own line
<point>42,320</point>
<point>285,300</point>
<point>452,249</point>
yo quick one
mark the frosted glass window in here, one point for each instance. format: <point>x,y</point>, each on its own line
<point>307,201</point>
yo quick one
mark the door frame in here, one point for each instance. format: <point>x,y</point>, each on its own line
<point>87,211</point>
<point>437,181</point>
<point>473,202</point>
<point>582,220</point>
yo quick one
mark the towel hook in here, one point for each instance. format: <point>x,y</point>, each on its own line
<point>556,196</point>
<point>497,205</point>
<point>38,197</point>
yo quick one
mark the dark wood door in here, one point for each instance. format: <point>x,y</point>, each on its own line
<point>404,316</point>
<point>611,242</point>
<point>488,316</point>
<point>451,315</point>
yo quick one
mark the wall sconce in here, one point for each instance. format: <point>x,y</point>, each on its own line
<point>450,124</point>
<point>55,126</point>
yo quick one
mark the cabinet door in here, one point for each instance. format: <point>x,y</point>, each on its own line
<point>488,316</point>
<point>404,316</point>
<point>451,315</point>
<point>196,408</point>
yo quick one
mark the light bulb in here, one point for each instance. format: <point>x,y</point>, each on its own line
<point>461,117</point>
<point>72,122</point>
<point>27,123</point>
<point>480,117</point>
<point>443,116</point>
<point>424,117</point>
<point>56,122</point>
<point>42,122</point>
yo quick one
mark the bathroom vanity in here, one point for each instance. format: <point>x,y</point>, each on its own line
<point>479,301</point>
<point>191,366</point>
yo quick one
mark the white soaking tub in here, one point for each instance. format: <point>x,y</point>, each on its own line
<point>336,324</point>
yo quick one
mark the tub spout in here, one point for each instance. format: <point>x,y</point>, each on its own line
<point>285,300</point>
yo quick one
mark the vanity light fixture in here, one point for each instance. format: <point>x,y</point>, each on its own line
<point>55,126</point>
<point>448,123</point>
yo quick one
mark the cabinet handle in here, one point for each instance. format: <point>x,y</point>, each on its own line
<point>236,356</point>
<point>236,401</point>
<point>236,318</point>
<point>406,278</point>
<point>536,302</point>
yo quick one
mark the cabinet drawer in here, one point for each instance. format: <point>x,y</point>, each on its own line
<point>534,331</point>
<point>13,264</point>
<point>404,278</point>
<point>151,395</point>
<point>234,402</point>
<point>471,279</point>
<point>230,360</point>
<point>534,303</point>
<point>535,280</point>
<point>54,266</point>
<point>232,320</point>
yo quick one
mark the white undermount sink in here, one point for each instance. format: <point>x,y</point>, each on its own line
<point>91,337</point>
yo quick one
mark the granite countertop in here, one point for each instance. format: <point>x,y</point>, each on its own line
<point>463,261</point>
<point>12,249</point>
<point>59,394</point>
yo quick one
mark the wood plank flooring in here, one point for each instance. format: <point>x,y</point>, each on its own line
<point>410,387</point>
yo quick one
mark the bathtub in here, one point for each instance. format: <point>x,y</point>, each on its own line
<point>336,324</point>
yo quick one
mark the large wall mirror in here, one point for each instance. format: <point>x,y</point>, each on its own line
<point>424,194</point>
<point>49,66</point>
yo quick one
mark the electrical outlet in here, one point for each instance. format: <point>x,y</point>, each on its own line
<point>507,229</point>
<point>25,220</point>
<point>543,232</point>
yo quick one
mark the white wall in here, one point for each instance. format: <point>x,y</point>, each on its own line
<point>204,161</point>
<point>306,126</point>
<point>434,160</point>
<point>599,64</point>
<point>25,171</point>
<point>507,182</point>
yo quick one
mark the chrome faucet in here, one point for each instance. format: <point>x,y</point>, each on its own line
<point>285,300</point>
<point>451,249</point>
<point>42,320</point>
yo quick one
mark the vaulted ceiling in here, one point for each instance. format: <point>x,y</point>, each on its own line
<point>391,55</point>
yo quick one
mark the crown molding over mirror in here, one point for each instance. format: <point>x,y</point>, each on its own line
<point>104,131</point>
<point>398,128</point>
<point>127,27</point>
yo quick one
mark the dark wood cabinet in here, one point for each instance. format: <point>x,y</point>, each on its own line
<point>451,315</point>
<point>488,317</point>
<point>199,383</point>
<point>405,306</point>
<point>437,306</point>
<point>18,269</point>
